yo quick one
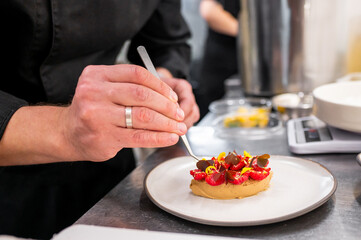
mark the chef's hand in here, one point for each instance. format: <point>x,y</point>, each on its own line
<point>93,126</point>
<point>185,94</point>
<point>94,123</point>
<point>186,99</point>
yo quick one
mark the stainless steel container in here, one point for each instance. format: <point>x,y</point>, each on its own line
<point>290,45</point>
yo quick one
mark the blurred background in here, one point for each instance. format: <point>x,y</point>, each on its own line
<point>329,44</point>
<point>282,47</point>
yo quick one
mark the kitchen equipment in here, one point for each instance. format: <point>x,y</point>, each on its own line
<point>233,87</point>
<point>339,105</point>
<point>248,117</point>
<point>310,135</point>
<point>150,66</point>
<point>223,106</point>
<point>273,127</point>
<point>290,45</point>
<point>358,158</point>
<point>293,105</point>
<point>350,77</point>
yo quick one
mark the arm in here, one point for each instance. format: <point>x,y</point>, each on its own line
<point>92,127</point>
<point>218,19</point>
<point>33,136</point>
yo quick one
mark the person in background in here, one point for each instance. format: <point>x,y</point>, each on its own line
<point>220,54</point>
<point>69,117</point>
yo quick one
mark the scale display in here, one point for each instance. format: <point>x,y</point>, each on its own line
<point>309,135</point>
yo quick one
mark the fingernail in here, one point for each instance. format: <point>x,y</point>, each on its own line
<point>173,138</point>
<point>180,113</point>
<point>182,128</point>
<point>173,96</point>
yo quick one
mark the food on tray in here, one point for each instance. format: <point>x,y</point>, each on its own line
<point>248,117</point>
<point>231,176</point>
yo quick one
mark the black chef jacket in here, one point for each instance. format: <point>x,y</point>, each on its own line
<point>45,45</point>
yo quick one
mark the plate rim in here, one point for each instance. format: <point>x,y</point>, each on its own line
<point>251,222</point>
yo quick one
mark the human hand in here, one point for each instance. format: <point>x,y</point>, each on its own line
<point>186,99</point>
<point>94,123</point>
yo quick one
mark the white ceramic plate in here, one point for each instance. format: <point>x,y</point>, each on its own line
<point>298,186</point>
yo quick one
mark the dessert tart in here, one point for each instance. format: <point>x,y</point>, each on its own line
<point>231,176</point>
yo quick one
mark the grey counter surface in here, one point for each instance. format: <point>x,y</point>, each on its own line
<point>127,205</point>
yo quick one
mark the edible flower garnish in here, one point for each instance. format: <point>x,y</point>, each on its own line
<point>245,169</point>
<point>233,168</point>
<point>220,156</point>
<point>210,169</point>
<point>246,154</point>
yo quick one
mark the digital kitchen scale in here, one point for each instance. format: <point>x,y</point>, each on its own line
<point>309,135</point>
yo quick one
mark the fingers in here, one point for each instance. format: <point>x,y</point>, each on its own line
<point>146,139</point>
<point>129,94</point>
<point>130,85</point>
<point>125,73</point>
<point>95,120</point>
<point>146,119</point>
<point>193,117</point>
<point>186,100</point>
<point>188,104</point>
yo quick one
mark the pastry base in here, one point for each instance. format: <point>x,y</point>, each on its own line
<point>229,190</point>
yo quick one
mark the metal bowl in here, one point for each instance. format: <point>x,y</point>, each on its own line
<point>293,105</point>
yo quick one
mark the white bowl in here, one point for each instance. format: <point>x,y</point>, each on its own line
<point>339,105</point>
<point>352,77</point>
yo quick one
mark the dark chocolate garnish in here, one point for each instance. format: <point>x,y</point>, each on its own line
<point>261,160</point>
<point>216,176</point>
<point>232,158</point>
<point>230,174</point>
<point>203,164</point>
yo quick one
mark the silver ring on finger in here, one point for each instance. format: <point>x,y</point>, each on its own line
<point>128,117</point>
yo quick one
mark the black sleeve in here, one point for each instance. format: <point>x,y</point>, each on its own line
<point>8,106</point>
<point>165,37</point>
